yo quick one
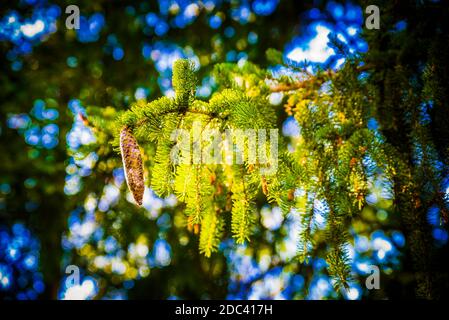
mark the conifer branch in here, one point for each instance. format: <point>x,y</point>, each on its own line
<point>313,80</point>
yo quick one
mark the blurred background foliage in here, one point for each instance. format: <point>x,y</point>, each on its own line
<point>63,200</point>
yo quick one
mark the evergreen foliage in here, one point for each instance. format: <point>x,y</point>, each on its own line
<point>198,184</point>
<point>323,176</point>
<point>324,171</point>
<point>328,162</point>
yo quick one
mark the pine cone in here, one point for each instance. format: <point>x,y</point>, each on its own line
<point>132,163</point>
